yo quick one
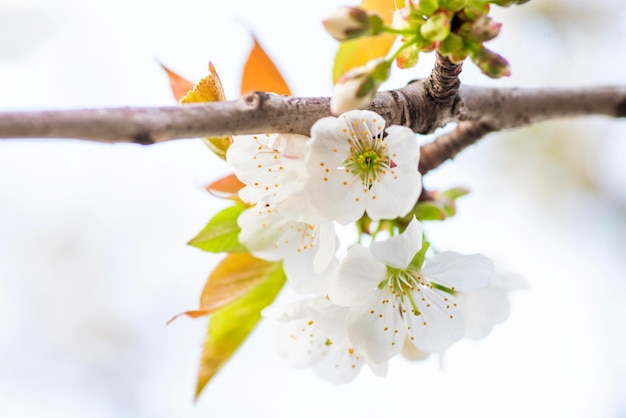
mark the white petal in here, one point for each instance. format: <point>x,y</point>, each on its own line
<point>375,326</point>
<point>291,146</point>
<point>459,271</point>
<point>412,353</point>
<point>296,205</point>
<point>329,142</point>
<point>396,193</point>
<point>270,236</point>
<point>379,369</point>
<point>301,343</point>
<point>397,189</point>
<point>302,276</point>
<point>336,195</point>
<point>357,275</point>
<point>439,324</point>
<point>482,309</point>
<point>340,365</point>
<point>327,245</point>
<point>402,146</point>
<point>373,123</point>
<point>398,251</point>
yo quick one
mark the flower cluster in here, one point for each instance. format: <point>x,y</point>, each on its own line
<point>379,300</point>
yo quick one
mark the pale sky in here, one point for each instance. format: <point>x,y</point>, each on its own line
<point>93,254</point>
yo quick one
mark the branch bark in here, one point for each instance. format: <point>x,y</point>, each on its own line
<point>413,106</point>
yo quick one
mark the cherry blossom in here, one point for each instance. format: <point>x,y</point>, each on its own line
<point>356,166</point>
<point>393,298</point>
<point>312,333</point>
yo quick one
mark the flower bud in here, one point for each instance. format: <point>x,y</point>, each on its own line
<point>437,27</point>
<point>473,11</point>
<point>453,47</point>
<point>424,7</point>
<point>492,64</point>
<point>455,5</point>
<point>356,88</point>
<point>408,57</point>
<point>352,22</point>
<point>480,30</point>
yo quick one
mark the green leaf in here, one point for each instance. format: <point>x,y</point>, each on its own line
<point>221,233</point>
<point>231,325</point>
<point>430,211</point>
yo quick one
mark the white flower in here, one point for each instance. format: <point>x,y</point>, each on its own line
<point>312,333</point>
<point>354,168</point>
<point>391,300</point>
<point>308,250</point>
<point>273,170</point>
<point>271,166</point>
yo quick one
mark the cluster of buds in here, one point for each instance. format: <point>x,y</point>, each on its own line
<point>456,29</point>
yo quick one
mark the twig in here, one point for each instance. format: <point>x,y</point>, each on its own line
<point>447,146</point>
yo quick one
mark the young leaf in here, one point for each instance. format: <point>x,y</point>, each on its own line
<point>260,73</point>
<point>357,52</point>
<point>229,326</point>
<point>226,188</point>
<point>180,86</point>
<point>430,211</point>
<point>234,276</point>
<point>210,89</point>
<point>220,234</point>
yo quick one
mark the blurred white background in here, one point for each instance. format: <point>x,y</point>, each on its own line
<point>93,255</point>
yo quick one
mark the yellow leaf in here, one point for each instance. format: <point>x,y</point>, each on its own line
<point>210,89</point>
<point>180,86</point>
<point>231,325</point>
<point>260,73</point>
<point>357,52</point>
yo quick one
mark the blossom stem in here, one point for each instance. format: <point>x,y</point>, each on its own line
<point>395,31</point>
<point>402,47</point>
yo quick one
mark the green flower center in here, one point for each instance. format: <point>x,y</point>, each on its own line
<point>402,284</point>
<point>368,159</point>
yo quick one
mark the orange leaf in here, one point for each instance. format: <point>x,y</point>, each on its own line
<point>226,188</point>
<point>179,85</point>
<point>235,276</point>
<point>260,73</point>
<point>357,52</point>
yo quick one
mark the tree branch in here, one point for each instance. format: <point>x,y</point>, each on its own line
<point>488,109</point>
<point>447,146</point>
<point>443,83</point>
